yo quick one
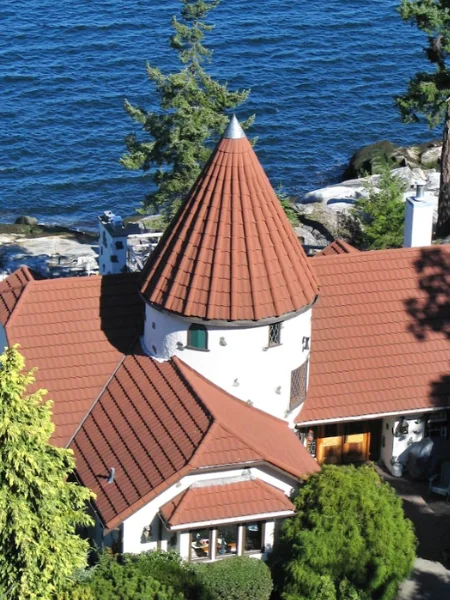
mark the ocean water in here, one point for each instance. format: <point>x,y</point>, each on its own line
<point>322,75</point>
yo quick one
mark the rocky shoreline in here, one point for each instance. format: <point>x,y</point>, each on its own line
<point>56,251</point>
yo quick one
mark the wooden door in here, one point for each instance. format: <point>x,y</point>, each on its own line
<point>355,442</point>
<point>329,450</point>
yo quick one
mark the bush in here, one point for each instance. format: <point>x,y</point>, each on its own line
<point>169,569</point>
<point>237,578</point>
<point>121,579</point>
<point>348,541</point>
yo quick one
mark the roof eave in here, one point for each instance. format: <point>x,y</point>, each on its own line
<point>237,323</point>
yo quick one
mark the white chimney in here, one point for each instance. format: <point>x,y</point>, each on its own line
<point>418,219</point>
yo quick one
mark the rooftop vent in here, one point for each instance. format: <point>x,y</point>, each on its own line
<point>112,473</point>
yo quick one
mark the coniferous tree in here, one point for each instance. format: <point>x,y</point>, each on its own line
<point>191,117</point>
<point>40,508</point>
<point>377,220</point>
<point>428,91</point>
<point>349,539</point>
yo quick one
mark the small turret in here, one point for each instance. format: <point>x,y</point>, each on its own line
<point>113,242</point>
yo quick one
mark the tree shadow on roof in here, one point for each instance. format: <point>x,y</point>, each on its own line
<point>430,310</point>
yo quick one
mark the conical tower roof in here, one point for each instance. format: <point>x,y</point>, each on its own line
<point>230,253</point>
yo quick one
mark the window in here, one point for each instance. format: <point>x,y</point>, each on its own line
<point>114,258</point>
<point>274,334</point>
<point>119,245</point>
<point>227,537</point>
<point>200,544</point>
<point>298,385</point>
<point>254,537</point>
<point>197,337</point>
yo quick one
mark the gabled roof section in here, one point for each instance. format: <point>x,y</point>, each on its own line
<point>230,254</point>
<point>75,330</point>
<point>338,247</point>
<point>256,434</point>
<point>380,334</point>
<point>11,290</point>
<point>226,501</point>
<point>147,425</point>
<point>156,422</point>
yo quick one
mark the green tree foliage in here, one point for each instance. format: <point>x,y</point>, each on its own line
<point>170,570</point>
<point>191,115</point>
<point>377,221</point>
<point>237,578</point>
<point>348,541</point>
<point>287,205</point>
<point>40,508</point>
<point>120,578</point>
<point>428,91</point>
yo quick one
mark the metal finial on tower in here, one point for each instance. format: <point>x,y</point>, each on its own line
<point>233,131</point>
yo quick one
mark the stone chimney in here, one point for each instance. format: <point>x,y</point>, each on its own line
<point>418,219</point>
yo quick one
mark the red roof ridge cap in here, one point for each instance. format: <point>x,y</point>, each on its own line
<point>249,406</point>
<point>20,301</point>
<point>132,508</point>
<point>263,454</point>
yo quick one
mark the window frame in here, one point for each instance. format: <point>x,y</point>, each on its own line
<point>194,328</point>
<point>274,340</point>
<point>210,542</point>
<point>302,373</point>
<point>263,536</point>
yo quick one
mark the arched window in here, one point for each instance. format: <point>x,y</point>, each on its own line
<point>197,337</point>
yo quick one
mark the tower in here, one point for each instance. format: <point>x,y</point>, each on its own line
<point>112,243</point>
<point>229,289</point>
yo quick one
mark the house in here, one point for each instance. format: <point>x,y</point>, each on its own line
<point>379,373</point>
<point>175,387</point>
<point>198,394</point>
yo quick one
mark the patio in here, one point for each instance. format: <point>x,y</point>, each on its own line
<point>430,579</point>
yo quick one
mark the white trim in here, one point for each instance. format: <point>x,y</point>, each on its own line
<point>237,520</point>
<point>372,416</point>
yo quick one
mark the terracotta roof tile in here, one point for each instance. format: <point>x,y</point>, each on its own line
<point>380,334</point>
<point>230,253</point>
<point>11,290</point>
<point>156,421</point>
<point>337,247</point>
<point>229,500</point>
<point>75,331</point>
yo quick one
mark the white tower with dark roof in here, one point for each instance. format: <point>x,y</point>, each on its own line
<point>229,289</point>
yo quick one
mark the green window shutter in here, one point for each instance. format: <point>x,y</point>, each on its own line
<point>197,337</point>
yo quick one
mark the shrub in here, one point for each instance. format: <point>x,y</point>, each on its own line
<point>121,579</point>
<point>237,578</point>
<point>348,541</point>
<point>169,569</point>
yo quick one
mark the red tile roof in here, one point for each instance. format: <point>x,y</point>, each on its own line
<point>11,289</point>
<point>380,334</point>
<point>226,501</point>
<point>257,433</point>
<point>230,254</point>
<point>157,421</point>
<point>337,247</point>
<point>75,331</point>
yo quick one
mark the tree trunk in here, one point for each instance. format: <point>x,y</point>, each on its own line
<point>443,223</point>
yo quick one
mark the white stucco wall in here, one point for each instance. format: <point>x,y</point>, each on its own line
<point>107,249</point>
<point>238,358</point>
<point>392,447</point>
<point>148,514</point>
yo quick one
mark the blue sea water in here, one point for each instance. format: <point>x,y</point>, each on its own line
<point>322,74</point>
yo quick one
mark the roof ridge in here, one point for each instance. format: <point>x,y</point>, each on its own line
<point>97,399</point>
<point>20,301</point>
<point>234,398</point>
<point>182,501</point>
